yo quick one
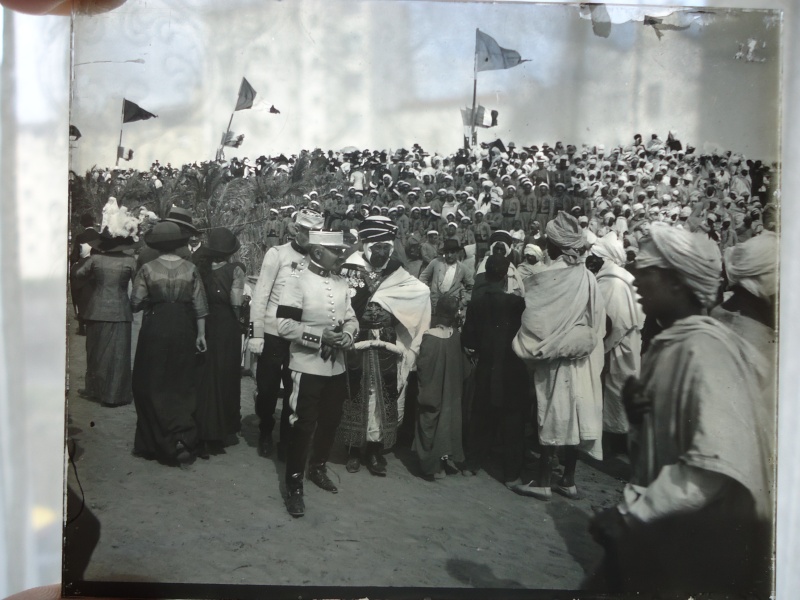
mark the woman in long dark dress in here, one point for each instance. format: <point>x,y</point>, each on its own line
<point>169,291</point>
<point>441,369</point>
<point>218,413</point>
<point>107,315</point>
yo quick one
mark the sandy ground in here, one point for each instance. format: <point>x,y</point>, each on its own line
<point>223,520</point>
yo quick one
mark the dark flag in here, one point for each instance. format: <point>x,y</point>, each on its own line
<point>133,112</point>
<point>246,96</point>
<point>498,143</point>
<point>490,56</point>
<point>494,119</point>
<point>121,153</point>
<point>74,133</point>
<point>274,110</point>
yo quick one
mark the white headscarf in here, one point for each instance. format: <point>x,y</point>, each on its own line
<point>694,256</point>
<point>534,250</point>
<point>753,264</point>
<point>610,248</point>
<point>368,252</point>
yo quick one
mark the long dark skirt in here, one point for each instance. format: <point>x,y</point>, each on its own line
<point>219,377</point>
<point>108,361</point>
<point>163,381</point>
<point>441,373</point>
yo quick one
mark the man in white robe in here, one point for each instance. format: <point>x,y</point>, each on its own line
<point>624,320</point>
<point>561,339</point>
<point>698,512</point>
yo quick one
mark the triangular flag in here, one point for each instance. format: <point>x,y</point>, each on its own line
<point>490,56</point>
<point>133,112</point>
<point>274,110</point>
<point>246,96</point>
<point>74,132</point>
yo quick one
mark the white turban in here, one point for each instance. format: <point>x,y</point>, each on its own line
<point>753,264</point>
<point>565,232</point>
<point>610,248</point>
<point>534,250</point>
<point>693,256</point>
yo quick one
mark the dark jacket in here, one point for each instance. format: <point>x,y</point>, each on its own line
<point>110,275</point>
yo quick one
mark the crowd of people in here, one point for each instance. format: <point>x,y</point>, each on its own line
<point>613,302</point>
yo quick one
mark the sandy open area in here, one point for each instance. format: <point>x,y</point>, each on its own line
<point>223,520</point>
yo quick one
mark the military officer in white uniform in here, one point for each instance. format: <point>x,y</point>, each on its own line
<point>315,315</point>
<point>280,262</point>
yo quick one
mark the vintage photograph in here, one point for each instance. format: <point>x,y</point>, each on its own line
<point>422,298</point>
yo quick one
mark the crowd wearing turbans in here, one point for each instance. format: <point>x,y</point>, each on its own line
<point>615,302</point>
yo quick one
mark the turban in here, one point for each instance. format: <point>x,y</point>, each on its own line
<point>502,237</point>
<point>377,229</point>
<point>693,256</point>
<point>534,250</point>
<point>753,265</point>
<point>565,232</point>
<point>610,248</point>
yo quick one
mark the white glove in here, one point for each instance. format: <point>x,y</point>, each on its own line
<point>256,345</point>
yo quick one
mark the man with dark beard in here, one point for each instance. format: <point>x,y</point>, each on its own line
<point>393,310</point>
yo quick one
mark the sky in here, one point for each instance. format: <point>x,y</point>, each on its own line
<point>390,74</point>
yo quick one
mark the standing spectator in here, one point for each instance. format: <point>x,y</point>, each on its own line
<point>80,252</point>
<point>622,343</point>
<point>501,379</point>
<point>561,336</point>
<point>446,276</point>
<point>170,292</point>
<point>441,371</point>
<point>107,314</point>
<point>219,374</point>
<point>698,511</point>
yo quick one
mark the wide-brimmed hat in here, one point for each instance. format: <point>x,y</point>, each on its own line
<point>182,217</point>
<point>221,242</point>
<point>105,242</point>
<point>86,236</point>
<point>451,245</point>
<point>167,235</point>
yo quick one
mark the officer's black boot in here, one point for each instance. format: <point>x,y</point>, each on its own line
<point>294,495</point>
<point>319,475</point>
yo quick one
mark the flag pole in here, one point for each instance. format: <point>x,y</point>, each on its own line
<point>120,132</point>
<point>221,151</point>
<point>474,89</point>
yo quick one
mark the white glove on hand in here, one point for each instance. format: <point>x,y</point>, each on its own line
<point>256,345</point>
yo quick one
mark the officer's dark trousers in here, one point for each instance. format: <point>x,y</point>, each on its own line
<point>273,366</point>
<point>316,409</point>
